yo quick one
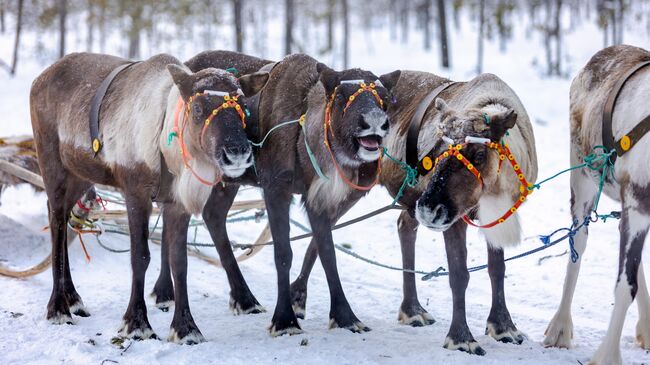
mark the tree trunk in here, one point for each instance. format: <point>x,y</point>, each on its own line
<point>134,32</point>
<point>63,13</point>
<point>90,39</point>
<point>19,23</point>
<point>346,34</point>
<point>426,10</point>
<point>481,34</point>
<point>404,20</point>
<point>288,30</point>
<point>393,19</point>
<point>102,27</point>
<point>2,16</point>
<point>444,42</point>
<point>558,36</point>
<point>330,25</point>
<point>239,30</point>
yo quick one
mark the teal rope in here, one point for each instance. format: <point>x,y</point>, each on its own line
<point>410,179</point>
<point>311,155</point>
<point>261,143</point>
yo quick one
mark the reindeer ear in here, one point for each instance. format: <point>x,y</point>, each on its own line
<point>441,105</point>
<point>390,80</point>
<point>501,122</point>
<point>251,84</point>
<point>182,79</point>
<point>328,77</point>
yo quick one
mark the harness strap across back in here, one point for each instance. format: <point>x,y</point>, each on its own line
<point>628,140</point>
<point>412,158</point>
<point>96,105</point>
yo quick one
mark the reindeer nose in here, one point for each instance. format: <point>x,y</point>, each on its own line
<point>237,150</point>
<point>440,214</point>
<point>375,121</point>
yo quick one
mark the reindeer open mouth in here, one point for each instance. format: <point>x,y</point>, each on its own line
<point>370,142</point>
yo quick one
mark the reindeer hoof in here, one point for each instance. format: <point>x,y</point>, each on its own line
<point>415,316</point>
<point>356,327</point>
<point>506,335</point>
<point>164,298</point>
<point>193,337</point>
<point>643,334</point>
<point>299,300</point>
<point>284,325</point>
<point>79,309</point>
<point>248,306</point>
<point>607,356</point>
<point>559,332</point>
<point>136,332</point>
<point>471,347</point>
<point>59,318</point>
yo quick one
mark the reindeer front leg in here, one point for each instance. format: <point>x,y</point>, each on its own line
<point>341,314</point>
<point>277,196</point>
<point>215,213</point>
<point>459,336</point>
<point>583,193</point>
<point>135,322</point>
<point>499,323</point>
<point>410,312</point>
<point>183,328</point>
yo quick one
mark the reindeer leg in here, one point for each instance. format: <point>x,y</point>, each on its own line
<point>299,286</point>
<point>583,192</point>
<point>410,312</point>
<point>163,290</point>
<point>341,314</point>
<point>183,329</point>
<point>278,200</point>
<point>633,228</point>
<point>459,336</point>
<point>499,323</point>
<point>643,301</point>
<point>135,322</point>
<point>215,212</point>
<point>62,190</point>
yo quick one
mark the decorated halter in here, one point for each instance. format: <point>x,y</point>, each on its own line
<point>229,101</point>
<point>454,150</point>
<point>363,87</point>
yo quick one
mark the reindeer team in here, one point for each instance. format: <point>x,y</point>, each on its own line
<point>180,134</point>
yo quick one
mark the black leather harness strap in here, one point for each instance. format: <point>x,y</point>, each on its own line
<point>412,158</point>
<point>96,105</point>
<point>628,140</point>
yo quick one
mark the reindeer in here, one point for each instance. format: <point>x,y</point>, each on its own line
<point>138,114</point>
<point>344,125</point>
<point>630,185</point>
<point>242,301</point>
<point>475,116</point>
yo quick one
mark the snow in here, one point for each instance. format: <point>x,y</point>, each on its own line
<point>533,288</point>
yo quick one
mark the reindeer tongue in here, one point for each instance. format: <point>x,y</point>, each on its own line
<point>369,142</point>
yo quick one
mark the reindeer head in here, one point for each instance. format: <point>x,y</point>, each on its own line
<point>355,114</point>
<point>454,190</point>
<point>216,115</point>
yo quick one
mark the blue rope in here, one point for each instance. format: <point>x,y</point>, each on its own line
<point>260,144</point>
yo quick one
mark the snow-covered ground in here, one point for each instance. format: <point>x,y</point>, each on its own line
<point>532,288</point>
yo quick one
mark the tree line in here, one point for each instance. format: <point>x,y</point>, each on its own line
<point>320,27</point>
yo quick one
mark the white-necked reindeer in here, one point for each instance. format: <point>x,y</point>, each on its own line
<point>630,185</point>
<point>137,114</point>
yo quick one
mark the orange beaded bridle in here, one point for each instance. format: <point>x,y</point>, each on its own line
<point>229,101</point>
<point>504,153</point>
<point>363,87</point>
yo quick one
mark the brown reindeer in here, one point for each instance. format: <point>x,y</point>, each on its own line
<point>354,130</point>
<point>242,300</point>
<point>138,113</point>
<point>488,111</point>
<point>630,185</point>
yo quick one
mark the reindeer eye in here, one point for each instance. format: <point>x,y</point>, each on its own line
<point>197,110</point>
<point>479,157</point>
